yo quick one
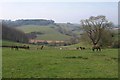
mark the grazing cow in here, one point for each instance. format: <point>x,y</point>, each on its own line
<point>97,47</point>
<point>82,48</point>
<point>17,47</point>
<point>23,47</point>
<point>41,47</point>
<point>26,47</point>
<point>14,47</point>
<point>77,48</point>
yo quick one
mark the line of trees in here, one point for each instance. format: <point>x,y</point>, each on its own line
<point>27,22</point>
<point>13,34</point>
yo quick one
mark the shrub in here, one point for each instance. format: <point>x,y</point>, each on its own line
<point>116,44</point>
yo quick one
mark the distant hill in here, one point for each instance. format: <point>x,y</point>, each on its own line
<point>41,29</point>
<point>21,22</point>
<point>45,29</point>
<point>58,31</point>
<point>47,32</point>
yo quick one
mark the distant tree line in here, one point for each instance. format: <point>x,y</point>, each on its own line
<point>27,22</point>
<point>61,29</point>
<point>74,37</point>
<point>13,34</point>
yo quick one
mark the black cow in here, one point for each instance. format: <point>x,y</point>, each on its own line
<point>82,48</point>
<point>97,47</point>
<point>26,47</point>
<point>77,48</point>
<point>17,47</point>
<point>14,47</point>
<point>41,47</point>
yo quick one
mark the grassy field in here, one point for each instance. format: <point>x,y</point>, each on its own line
<point>49,32</point>
<point>5,42</point>
<point>55,63</point>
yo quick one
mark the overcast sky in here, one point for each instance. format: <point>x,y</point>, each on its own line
<point>60,12</point>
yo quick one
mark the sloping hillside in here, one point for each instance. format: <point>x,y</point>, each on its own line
<point>48,32</point>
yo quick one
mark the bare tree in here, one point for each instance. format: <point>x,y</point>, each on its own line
<point>94,26</point>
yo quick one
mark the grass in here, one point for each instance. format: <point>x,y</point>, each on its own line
<point>81,44</point>
<point>55,63</point>
<point>11,43</point>
<point>49,33</point>
<point>5,42</point>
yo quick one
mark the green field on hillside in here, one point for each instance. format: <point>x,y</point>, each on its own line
<point>32,28</point>
<point>49,32</point>
<point>55,63</point>
<point>9,43</point>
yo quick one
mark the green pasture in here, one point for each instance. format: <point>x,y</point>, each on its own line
<point>55,63</point>
<point>49,33</point>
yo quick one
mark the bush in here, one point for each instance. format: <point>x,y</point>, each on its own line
<point>116,44</point>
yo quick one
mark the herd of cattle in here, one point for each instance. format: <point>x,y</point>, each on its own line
<point>20,47</point>
<point>97,48</point>
<point>17,47</point>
